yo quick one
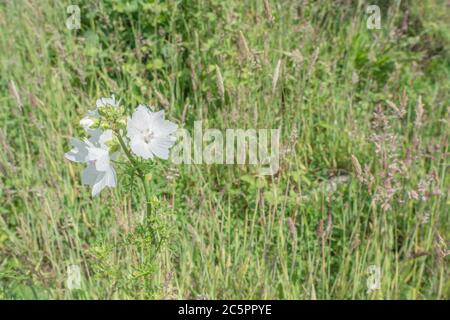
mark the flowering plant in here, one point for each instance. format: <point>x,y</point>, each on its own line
<point>144,136</point>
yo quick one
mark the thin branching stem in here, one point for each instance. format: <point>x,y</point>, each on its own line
<point>141,175</point>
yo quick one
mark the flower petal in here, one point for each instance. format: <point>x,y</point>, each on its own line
<point>149,133</point>
<point>79,152</point>
<point>104,179</point>
<point>160,146</point>
<point>86,122</point>
<point>140,148</point>
<point>138,122</point>
<point>89,175</point>
<point>164,127</point>
<point>99,185</point>
<point>106,101</point>
<point>105,137</point>
<point>110,177</point>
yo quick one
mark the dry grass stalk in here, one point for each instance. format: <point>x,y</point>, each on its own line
<point>183,115</point>
<point>329,228</point>
<point>266,48</point>
<point>399,111</point>
<point>441,246</point>
<point>15,94</point>
<point>193,233</point>
<point>276,76</point>
<point>6,147</point>
<point>313,62</point>
<point>219,83</point>
<point>243,47</point>
<point>193,75</point>
<point>162,100</point>
<point>268,11</point>
<point>358,169</point>
<point>292,229</point>
<point>419,113</point>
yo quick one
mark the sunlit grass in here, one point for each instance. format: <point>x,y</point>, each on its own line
<point>309,232</point>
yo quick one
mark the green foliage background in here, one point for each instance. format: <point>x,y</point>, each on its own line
<point>229,233</point>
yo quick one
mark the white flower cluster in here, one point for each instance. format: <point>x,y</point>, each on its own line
<point>148,132</point>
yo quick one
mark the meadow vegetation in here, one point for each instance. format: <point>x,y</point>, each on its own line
<point>363,178</point>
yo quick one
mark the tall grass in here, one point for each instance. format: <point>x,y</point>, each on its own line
<point>363,179</point>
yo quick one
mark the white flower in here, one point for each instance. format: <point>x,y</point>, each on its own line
<point>88,120</point>
<point>98,180</point>
<point>79,152</point>
<point>99,172</point>
<point>94,151</point>
<point>150,135</point>
<point>102,102</point>
<point>99,137</point>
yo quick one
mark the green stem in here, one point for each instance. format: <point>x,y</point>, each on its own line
<point>147,196</point>
<point>140,173</point>
<point>125,149</point>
